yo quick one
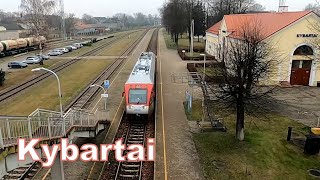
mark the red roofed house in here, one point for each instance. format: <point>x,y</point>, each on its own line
<point>289,32</point>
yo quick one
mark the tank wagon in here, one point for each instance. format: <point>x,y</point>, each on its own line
<point>16,46</point>
<point>139,90</point>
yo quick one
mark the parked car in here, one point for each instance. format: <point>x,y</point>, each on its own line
<point>69,48</point>
<point>32,60</point>
<point>42,56</point>
<point>78,45</point>
<point>72,47</point>
<point>17,64</point>
<point>55,53</point>
<point>64,50</point>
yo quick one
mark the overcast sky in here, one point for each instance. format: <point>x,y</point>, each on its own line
<point>110,7</point>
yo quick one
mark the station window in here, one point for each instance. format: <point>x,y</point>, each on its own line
<point>303,50</point>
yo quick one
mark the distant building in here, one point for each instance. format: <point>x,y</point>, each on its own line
<point>291,35</point>
<point>12,31</point>
<point>84,29</point>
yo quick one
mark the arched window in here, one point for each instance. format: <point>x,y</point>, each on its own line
<point>303,50</point>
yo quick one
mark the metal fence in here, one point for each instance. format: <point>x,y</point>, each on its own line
<point>45,124</point>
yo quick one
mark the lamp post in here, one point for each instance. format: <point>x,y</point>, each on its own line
<point>61,111</point>
<point>60,96</point>
<point>184,53</point>
<point>104,91</point>
<point>204,66</point>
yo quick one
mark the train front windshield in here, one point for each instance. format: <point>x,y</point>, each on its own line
<point>138,96</point>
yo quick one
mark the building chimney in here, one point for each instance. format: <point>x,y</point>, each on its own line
<point>282,6</point>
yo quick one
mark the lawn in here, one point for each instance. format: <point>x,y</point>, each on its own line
<point>118,48</point>
<point>14,77</point>
<point>210,72</point>
<point>183,42</point>
<point>197,113</point>
<point>265,153</point>
<point>45,95</point>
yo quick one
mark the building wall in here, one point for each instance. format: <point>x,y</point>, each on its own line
<point>5,35</point>
<point>212,44</point>
<point>285,42</point>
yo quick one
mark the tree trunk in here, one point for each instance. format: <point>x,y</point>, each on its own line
<point>240,119</point>
<point>176,39</point>
<point>198,38</point>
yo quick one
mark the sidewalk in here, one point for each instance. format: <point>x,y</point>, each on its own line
<point>182,161</point>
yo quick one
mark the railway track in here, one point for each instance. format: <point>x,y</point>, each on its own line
<point>12,91</point>
<point>82,101</point>
<point>23,173</point>
<point>133,130</point>
<point>87,96</point>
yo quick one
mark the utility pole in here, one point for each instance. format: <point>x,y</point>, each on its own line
<point>63,22</point>
<point>192,35</point>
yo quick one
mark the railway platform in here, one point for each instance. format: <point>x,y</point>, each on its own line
<point>176,152</point>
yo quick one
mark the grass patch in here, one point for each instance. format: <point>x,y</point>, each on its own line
<point>195,54</point>
<point>264,153</point>
<point>45,95</point>
<point>183,42</point>
<point>118,48</point>
<point>17,76</point>
<point>169,42</point>
<point>210,71</point>
<point>196,113</point>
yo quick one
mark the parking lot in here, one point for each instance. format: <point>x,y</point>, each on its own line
<point>300,103</point>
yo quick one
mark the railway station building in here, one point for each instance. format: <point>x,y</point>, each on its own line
<point>292,35</point>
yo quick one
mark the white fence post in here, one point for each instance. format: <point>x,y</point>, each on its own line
<point>29,128</point>
<point>8,128</point>
<point>49,128</point>
<point>1,140</point>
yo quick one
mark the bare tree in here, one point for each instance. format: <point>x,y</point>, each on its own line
<point>216,9</point>
<point>313,7</point>
<point>70,23</point>
<point>86,18</point>
<point>36,13</point>
<point>246,59</point>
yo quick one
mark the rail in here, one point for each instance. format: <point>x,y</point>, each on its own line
<point>86,97</point>
<point>45,124</point>
<point>11,91</point>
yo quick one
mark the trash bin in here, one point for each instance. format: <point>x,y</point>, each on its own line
<point>312,146</point>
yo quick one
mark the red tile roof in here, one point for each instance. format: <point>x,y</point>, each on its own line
<point>270,22</point>
<point>215,28</point>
